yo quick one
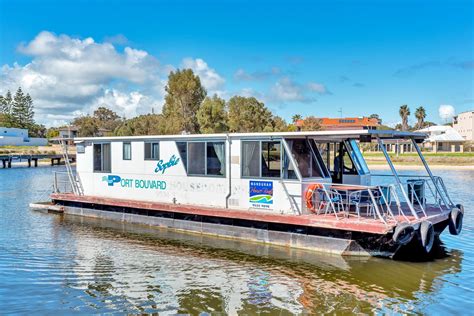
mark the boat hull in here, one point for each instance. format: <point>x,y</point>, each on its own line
<point>320,239</point>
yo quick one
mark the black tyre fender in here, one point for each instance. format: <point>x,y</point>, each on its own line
<point>460,207</point>
<point>403,233</point>
<point>455,221</point>
<point>427,235</point>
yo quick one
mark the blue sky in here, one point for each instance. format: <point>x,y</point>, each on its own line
<point>311,58</point>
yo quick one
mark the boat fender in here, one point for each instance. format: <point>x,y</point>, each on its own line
<point>309,195</point>
<point>403,233</point>
<point>455,221</point>
<point>461,207</point>
<point>427,235</point>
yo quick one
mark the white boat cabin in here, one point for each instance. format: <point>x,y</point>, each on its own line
<point>255,171</point>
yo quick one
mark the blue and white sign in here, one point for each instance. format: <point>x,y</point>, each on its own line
<point>261,193</point>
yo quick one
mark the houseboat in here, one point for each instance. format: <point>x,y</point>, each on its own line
<point>309,190</point>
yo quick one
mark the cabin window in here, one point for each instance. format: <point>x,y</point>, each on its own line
<point>215,158</point>
<point>102,157</point>
<point>196,158</point>
<point>127,151</point>
<point>307,158</point>
<point>251,159</point>
<point>271,159</point>
<point>183,153</point>
<point>203,158</point>
<point>357,157</point>
<point>261,159</point>
<point>152,151</point>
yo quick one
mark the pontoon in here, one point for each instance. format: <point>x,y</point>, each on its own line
<point>310,190</point>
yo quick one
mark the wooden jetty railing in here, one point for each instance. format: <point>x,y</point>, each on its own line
<point>33,158</point>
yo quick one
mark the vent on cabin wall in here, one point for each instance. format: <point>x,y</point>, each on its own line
<point>234,202</point>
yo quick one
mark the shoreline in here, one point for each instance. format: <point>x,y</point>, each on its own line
<point>377,166</point>
<point>421,167</point>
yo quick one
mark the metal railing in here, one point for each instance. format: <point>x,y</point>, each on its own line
<point>62,182</point>
<point>430,197</point>
<point>341,200</point>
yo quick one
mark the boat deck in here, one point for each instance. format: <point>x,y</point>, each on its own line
<point>365,224</point>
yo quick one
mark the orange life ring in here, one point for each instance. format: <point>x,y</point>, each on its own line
<point>309,195</point>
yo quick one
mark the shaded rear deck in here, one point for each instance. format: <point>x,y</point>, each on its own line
<point>365,224</point>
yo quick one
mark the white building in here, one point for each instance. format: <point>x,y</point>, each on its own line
<point>19,137</point>
<point>463,123</point>
<point>443,138</point>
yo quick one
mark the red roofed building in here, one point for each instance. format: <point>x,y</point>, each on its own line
<point>344,123</point>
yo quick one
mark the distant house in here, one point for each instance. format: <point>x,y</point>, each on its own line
<point>344,123</point>
<point>19,137</point>
<point>68,131</point>
<point>443,138</point>
<point>463,123</point>
<point>71,132</point>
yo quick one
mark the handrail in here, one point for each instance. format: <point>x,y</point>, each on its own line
<point>397,178</point>
<point>376,203</point>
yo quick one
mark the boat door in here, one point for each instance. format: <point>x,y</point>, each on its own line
<point>345,162</point>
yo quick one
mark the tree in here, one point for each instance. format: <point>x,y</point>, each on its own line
<point>247,114</point>
<point>295,118</point>
<point>276,124</point>
<point>184,96</point>
<point>5,120</point>
<point>149,124</point>
<point>404,114</point>
<point>52,132</point>
<point>375,116</point>
<point>420,114</point>
<point>311,123</point>
<point>107,118</point>
<point>22,110</point>
<point>6,103</point>
<point>37,130</point>
<point>87,126</point>
<point>211,116</point>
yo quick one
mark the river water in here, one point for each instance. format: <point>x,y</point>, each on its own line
<point>55,264</point>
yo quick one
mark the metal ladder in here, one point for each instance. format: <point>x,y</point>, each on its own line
<point>75,182</point>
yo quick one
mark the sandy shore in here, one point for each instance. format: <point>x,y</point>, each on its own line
<point>421,167</point>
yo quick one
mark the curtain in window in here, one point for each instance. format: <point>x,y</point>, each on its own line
<point>106,158</point>
<point>220,153</point>
<point>250,163</point>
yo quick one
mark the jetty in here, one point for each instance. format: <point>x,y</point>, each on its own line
<point>32,159</point>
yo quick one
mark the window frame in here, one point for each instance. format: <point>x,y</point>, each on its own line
<point>123,150</point>
<point>186,166</point>
<point>259,141</point>
<point>151,150</point>
<point>102,170</point>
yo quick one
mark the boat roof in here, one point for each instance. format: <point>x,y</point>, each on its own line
<point>365,135</point>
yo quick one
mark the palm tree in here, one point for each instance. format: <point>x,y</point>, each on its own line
<point>404,114</point>
<point>420,114</point>
<point>296,118</point>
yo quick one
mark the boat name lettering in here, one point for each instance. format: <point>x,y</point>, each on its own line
<point>162,166</point>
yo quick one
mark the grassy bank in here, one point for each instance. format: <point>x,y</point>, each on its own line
<point>448,159</point>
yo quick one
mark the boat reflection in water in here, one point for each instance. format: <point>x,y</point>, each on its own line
<point>143,269</point>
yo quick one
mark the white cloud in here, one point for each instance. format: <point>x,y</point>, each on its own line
<point>69,75</point>
<point>446,112</point>
<point>210,79</point>
<point>317,87</point>
<point>287,90</point>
